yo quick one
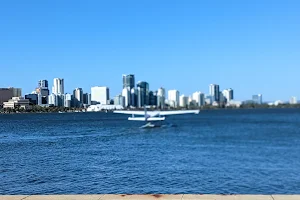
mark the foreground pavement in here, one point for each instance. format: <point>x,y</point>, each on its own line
<point>150,197</point>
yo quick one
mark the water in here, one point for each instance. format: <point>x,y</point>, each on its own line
<point>223,152</point>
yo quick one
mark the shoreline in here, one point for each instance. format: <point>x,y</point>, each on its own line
<point>111,111</point>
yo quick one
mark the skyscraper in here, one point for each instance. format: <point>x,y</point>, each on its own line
<point>173,95</point>
<point>100,95</point>
<point>161,97</point>
<point>228,94</point>
<point>133,97</point>
<point>78,97</point>
<point>43,91</point>
<point>293,100</point>
<point>68,100</point>
<point>87,99</point>
<point>214,91</point>
<point>43,83</point>
<point>183,101</point>
<point>5,95</point>
<point>143,93</point>
<point>128,81</point>
<point>126,95</point>
<point>58,86</point>
<point>153,98</point>
<point>199,98</point>
<point>119,100</point>
<point>257,98</point>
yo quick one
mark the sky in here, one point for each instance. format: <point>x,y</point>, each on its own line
<point>252,46</point>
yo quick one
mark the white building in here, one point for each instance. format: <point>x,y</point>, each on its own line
<point>228,94</point>
<point>126,95</point>
<point>161,97</point>
<point>173,95</point>
<point>58,86</point>
<point>119,100</point>
<point>17,102</point>
<point>278,102</point>
<point>234,103</point>
<point>199,98</point>
<point>208,100</point>
<point>78,97</point>
<point>171,103</point>
<point>52,99</point>
<point>40,98</point>
<point>257,99</point>
<point>100,95</point>
<point>183,101</point>
<point>68,100</point>
<point>293,100</point>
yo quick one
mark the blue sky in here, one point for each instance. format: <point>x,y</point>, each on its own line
<point>250,46</point>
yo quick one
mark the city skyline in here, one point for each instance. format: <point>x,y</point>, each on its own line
<point>251,47</point>
<point>88,90</point>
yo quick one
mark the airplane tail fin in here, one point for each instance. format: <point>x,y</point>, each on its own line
<point>145,109</point>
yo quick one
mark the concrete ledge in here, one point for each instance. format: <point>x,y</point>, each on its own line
<point>150,197</point>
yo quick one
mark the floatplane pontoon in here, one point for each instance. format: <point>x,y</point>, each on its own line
<point>151,116</point>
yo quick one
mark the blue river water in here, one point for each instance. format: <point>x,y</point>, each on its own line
<point>215,152</point>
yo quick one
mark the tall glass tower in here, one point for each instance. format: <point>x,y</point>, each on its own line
<point>143,94</point>
<point>214,91</point>
<point>128,81</point>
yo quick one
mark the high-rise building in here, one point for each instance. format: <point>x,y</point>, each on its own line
<point>183,101</point>
<point>191,101</point>
<point>173,95</point>
<point>7,94</point>
<point>222,99</point>
<point>42,91</point>
<point>17,92</point>
<point>87,99</point>
<point>208,99</point>
<point>126,95</point>
<point>78,97</point>
<point>119,100</point>
<point>257,98</point>
<point>100,95</point>
<point>52,99</point>
<point>228,94</point>
<point>199,98</point>
<point>43,84</point>
<point>143,94</point>
<point>58,86</point>
<point>153,98</point>
<point>56,100</point>
<point>133,97</point>
<point>214,91</point>
<point>128,81</point>
<point>68,100</point>
<point>161,97</point>
<point>293,100</point>
<point>33,98</point>
<point>60,100</point>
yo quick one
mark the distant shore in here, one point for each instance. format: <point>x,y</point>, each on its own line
<point>79,110</point>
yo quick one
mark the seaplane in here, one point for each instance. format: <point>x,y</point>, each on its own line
<point>152,116</point>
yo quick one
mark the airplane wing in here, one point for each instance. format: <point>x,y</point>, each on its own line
<point>129,112</point>
<point>178,112</point>
<point>155,113</point>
